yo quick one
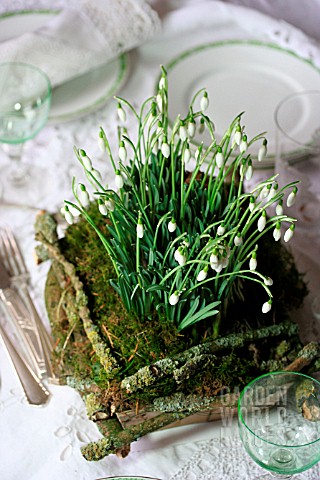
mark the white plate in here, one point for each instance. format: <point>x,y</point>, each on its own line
<point>239,75</point>
<point>79,96</point>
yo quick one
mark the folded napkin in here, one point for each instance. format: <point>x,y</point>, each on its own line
<point>80,39</point>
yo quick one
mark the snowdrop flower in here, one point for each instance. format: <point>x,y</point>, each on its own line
<point>202,275</point>
<point>179,256</point>
<point>191,128</point>
<point>252,204</point>
<point>109,203</point>
<point>249,171</point>
<point>262,221</point>
<point>238,240</point>
<point>288,234</point>
<point>172,225</point>
<point>266,307</point>
<point>253,261</point>
<point>121,113</point>
<point>84,195</point>
<point>160,102</point>
<point>268,281</point>
<point>197,154</point>
<point>101,144</point>
<point>214,259</point>
<point>201,125</point>
<point>86,160</point>
<point>102,207</point>
<point>238,135</point>
<point>74,211</point>
<point>243,144</point>
<point>221,229</point>
<point>264,192</point>
<point>292,197</point>
<point>162,82</point>
<point>67,215</point>
<point>174,298</point>
<point>96,174</point>
<point>186,154</point>
<point>279,208</point>
<point>204,102</point>
<point>122,152</point>
<point>183,134</point>
<point>165,149</point>
<point>140,229</point>
<point>219,157</point>
<point>262,153</point>
<point>273,191</point>
<point>224,262</point>
<point>277,232</point>
<point>119,179</point>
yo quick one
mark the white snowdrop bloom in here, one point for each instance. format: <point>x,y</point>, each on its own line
<point>119,180</point>
<point>243,144</point>
<point>219,157</point>
<point>277,232</point>
<point>214,259</point>
<point>253,262</point>
<point>224,262</point>
<point>238,240</point>
<point>262,221</point>
<point>122,152</point>
<point>204,102</point>
<point>162,83</point>
<point>101,144</point>
<point>249,171</point>
<point>221,229</point>
<point>268,281</point>
<point>201,126</point>
<point>177,254</point>
<point>109,203</point>
<point>84,195</point>
<point>279,208</point>
<point>68,215</point>
<point>121,113</point>
<point>202,275</point>
<point>191,128</point>
<point>252,204</point>
<point>86,161</point>
<point>186,154</point>
<point>262,153</point>
<point>264,192</point>
<point>74,211</point>
<point>292,197</point>
<point>96,174</point>
<point>183,133</point>
<point>140,229</point>
<point>266,307</point>
<point>160,102</point>
<point>102,207</point>
<point>238,135</point>
<point>273,191</point>
<point>165,150</point>
<point>182,259</point>
<point>172,225</point>
<point>174,298</point>
<point>217,267</point>
<point>288,234</point>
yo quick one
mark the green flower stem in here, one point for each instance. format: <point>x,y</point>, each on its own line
<point>106,142</point>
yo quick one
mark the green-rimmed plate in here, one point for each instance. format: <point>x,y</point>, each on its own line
<point>127,478</point>
<point>240,75</point>
<point>81,95</point>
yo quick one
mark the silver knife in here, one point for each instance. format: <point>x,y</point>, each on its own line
<point>35,392</point>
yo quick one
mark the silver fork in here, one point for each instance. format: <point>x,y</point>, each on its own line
<point>15,265</point>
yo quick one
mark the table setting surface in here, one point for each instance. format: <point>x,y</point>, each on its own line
<point>43,442</point>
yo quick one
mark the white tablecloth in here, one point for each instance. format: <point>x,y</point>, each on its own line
<point>44,443</point>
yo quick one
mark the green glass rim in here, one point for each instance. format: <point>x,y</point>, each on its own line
<point>241,419</point>
<point>34,68</point>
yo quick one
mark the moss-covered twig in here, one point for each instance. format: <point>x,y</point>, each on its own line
<point>102,351</point>
<point>150,374</point>
<point>307,355</point>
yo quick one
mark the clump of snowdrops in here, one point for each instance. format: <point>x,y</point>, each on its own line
<point>179,240</point>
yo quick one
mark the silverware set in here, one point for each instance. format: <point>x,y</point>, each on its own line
<point>29,346</point>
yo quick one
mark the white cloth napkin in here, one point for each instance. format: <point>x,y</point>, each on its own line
<point>77,40</point>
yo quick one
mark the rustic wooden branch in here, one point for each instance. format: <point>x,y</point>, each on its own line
<point>150,374</point>
<point>307,355</point>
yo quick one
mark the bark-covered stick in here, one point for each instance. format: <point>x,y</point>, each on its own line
<point>150,374</point>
